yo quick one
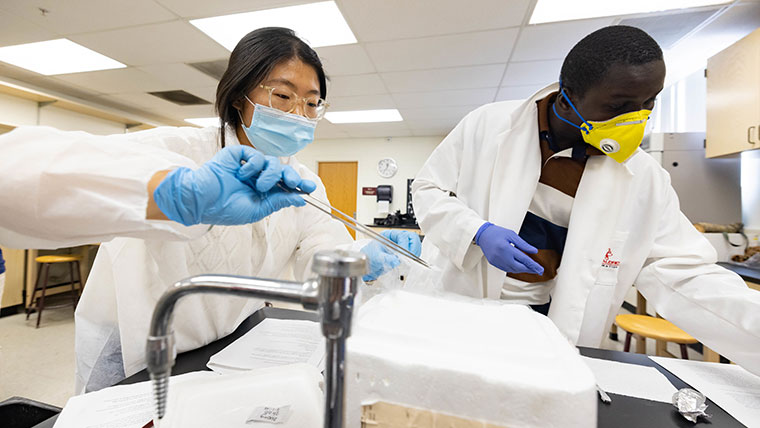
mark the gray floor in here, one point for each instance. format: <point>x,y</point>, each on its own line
<point>39,363</point>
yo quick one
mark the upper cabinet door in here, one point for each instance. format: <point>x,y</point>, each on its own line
<point>733,98</point>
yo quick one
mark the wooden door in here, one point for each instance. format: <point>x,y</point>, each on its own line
<point>339,179</point>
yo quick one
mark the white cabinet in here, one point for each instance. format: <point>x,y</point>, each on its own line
<point>733,98</point>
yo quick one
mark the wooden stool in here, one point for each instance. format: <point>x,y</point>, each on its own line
<point>45,263</point>
<point>653,328</point>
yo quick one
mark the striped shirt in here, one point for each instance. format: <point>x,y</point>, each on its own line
<point>546,222</point>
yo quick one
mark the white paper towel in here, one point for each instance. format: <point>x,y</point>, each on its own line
<point>383,208</point>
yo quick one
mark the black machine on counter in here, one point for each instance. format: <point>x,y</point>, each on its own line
<point>385,193</point>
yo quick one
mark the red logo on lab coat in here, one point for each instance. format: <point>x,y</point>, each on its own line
<point>608,262</point>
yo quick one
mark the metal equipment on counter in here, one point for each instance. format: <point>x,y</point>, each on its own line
<point>353,224</point>
<point>332,294</point>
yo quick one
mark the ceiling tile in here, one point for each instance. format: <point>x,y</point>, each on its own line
<point>208,93</point>
<point>166,43</point>
<point>361,102</point>
<point>440,131</point>
<point>401,19</point>
<point>362,84</point>
<point>366,130</point>
<point>486,47</point>
<point>205,8</point>
<point>82,16</point>
<point>345,59</point>
<point>435,116</point>
<point>157,105</point>
<point>178,75</point>
<point>517,92</point>
<point>445,98</point>
<point>326,130</point>
<point>432,122</point>
<point>156,118</point>
<point>17,31</point>
<point>144,101</point>
<point>185,112</point>
<point>554,41</point>
<point>115,81</point>
<point>532,73</point>
<point>483,76</point>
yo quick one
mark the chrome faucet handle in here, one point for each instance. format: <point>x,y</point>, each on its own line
<point>339,272</point>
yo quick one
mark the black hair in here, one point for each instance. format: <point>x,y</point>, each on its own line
<point>589,60</point>
<point>254,57</point>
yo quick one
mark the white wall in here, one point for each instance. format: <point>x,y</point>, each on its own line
<point>15,111</point>
<point>682,106</point>
<point>410,154</point>
<point>68,120</point>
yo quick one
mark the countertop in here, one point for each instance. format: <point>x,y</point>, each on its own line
<point>747,274</point>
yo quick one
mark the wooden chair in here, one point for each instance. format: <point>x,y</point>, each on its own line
<point>654,328</point>
<point>41,284</point>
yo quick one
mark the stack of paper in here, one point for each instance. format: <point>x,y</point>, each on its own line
<point>273,342</point>
<point>631,380</point>
<point>276,397</point>
<point>126,406</point>
<point>731,387</point>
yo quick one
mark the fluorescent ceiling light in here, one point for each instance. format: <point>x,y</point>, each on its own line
<point>60,56</point>
<point>204,121</point>
<point>364,116</point>
<point>319,24</point>
<point>564,10</point>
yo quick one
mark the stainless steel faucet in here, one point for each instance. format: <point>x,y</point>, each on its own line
<point>332,294</point>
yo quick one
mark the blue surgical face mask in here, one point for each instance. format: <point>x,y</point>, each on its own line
<point>277,133</point>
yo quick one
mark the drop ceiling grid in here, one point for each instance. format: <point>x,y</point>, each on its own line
<point>422,57</point>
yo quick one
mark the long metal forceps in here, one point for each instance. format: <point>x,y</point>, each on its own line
<point>353,224</point>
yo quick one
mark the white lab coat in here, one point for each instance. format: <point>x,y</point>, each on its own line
<point>491,163</point>
<point>78,188</point>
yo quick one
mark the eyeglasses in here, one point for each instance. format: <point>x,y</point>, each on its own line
<point>286,100</point>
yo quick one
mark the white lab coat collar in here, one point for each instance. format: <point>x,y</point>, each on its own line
<point>594,227</point>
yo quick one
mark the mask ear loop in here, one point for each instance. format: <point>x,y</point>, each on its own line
<point>554,108</point>
<point>242,122</point>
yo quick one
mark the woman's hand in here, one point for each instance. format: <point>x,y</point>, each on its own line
<point>225,190</point>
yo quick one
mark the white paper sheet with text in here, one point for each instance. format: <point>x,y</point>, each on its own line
<point>731,387</point>
<point>125,406</point>
<point>272,342</point>
<point>631,380</point>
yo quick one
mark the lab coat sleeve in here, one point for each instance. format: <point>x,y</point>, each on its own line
<point>317,231</point>
<point>685,286</point>
<point>445,220</point>
<point>70,188</point>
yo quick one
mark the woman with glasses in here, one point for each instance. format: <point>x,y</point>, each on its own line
<point>93,189</point>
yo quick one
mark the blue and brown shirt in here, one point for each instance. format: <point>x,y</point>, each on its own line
<point>546,222</point>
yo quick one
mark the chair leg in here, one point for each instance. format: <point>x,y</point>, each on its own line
<point>684,354</point>
<point>34,291</point>
<point>73,285</point>
<point>627,346</point>
<point>41,299</point>
<point>79,279</point>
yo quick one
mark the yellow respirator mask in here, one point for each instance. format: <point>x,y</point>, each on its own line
<point>618,137</point>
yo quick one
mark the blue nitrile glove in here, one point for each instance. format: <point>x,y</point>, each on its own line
<point>505,249</point>
<point>409,241</point>
<point>219,192</point>
<point>382,259</point>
